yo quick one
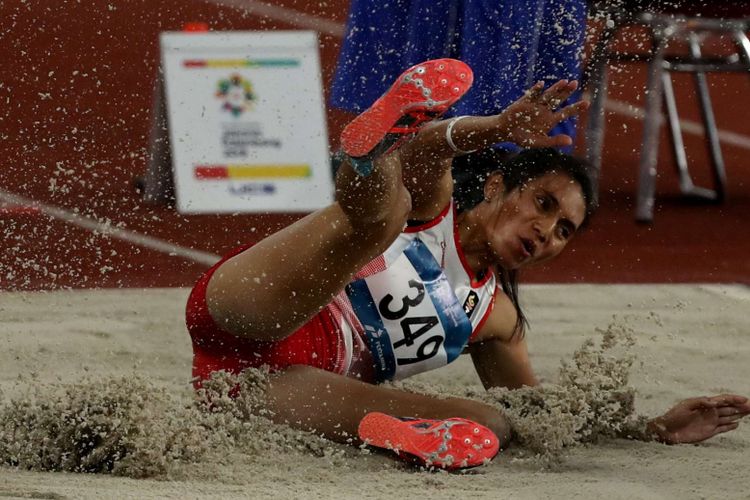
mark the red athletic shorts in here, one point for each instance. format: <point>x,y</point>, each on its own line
<point>317,343</point>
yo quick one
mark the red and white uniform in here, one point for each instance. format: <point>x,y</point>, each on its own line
<point>414,308</point>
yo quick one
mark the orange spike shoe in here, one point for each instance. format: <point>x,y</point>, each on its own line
<point>452,444</point>
<point>420,94</point>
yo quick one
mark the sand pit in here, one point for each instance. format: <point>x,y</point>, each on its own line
<point>120,362</point>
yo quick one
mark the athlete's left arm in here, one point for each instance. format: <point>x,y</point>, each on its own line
<point>501,358</point>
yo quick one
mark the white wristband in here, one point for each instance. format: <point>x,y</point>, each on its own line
<point>449,136</point>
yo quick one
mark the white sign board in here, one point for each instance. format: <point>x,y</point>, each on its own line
<point>246,121</point>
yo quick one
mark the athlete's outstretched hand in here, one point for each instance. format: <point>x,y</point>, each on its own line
<point>697,419</point>
<point>528,120</point>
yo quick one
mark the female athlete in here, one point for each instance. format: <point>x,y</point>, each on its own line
<point>360,292</point>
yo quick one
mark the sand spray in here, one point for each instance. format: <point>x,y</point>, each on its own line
<point>132,427</point>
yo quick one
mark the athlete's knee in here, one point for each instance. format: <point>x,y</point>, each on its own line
<point>234,310</point>
<point>398,213</point>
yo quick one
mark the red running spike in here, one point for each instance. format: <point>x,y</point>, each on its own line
<point>453,443</point>
<point>421,94</point>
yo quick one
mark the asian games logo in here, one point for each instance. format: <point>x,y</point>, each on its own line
<point>237,94</point>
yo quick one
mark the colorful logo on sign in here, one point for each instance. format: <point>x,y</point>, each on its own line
<point>237,94</point>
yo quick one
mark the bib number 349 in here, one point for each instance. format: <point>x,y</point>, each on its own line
<point>413,327</point>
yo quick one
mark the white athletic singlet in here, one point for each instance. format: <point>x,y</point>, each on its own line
<point>418,304</point>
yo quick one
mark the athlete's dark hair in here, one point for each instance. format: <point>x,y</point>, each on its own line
<point>470,172</point>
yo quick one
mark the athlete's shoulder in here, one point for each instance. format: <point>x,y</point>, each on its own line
<point>501,322</point>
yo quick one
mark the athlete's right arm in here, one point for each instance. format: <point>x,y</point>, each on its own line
<point>503,363</point>
<point>500,357</point>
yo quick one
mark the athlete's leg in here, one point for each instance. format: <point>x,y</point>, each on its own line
<point>326,403</point>
<point>269,290</point>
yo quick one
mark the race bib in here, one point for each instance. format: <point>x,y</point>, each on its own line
<point>411,316</point>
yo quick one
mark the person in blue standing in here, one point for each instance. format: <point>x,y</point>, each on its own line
<point>510,45</point>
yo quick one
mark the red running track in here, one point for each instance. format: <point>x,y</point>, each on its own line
<point>76,91</point>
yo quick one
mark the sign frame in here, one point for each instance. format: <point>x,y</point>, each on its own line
<point>246,121</point>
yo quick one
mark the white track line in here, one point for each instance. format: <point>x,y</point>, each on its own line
<point>106,229</point>
<point>687,126</point>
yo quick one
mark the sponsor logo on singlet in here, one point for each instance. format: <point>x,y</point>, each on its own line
<point>471,303</point>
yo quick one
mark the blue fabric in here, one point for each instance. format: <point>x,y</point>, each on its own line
<point>456,324</point>
<point>509,44</point>
<point>377,338</point>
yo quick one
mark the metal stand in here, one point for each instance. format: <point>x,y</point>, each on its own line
<point>659,92</point>
<point>596,81</point>
<point>158,184</point>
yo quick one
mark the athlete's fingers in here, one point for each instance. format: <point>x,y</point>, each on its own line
<point>559,93</point>
<point>726,428</point>
<point>729,419</point>
<point>703,403</point>
<point>730,400</point>
<point>554,141</point>
<point>553,96</point>
<point>572,110</point>
<point>725,411</point>
<point>534,92</point>
<point>568,90</point>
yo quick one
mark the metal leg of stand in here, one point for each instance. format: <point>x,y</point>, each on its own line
<point>651,126</point>
<point>675,134</point>
<point>597,84</point>
<point>158,186</point>
<point>743,44</point>
<point>712,133</point>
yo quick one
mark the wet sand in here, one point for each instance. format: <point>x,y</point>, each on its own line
<point>690,340</point>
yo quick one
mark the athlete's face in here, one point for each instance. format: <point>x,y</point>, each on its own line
<point>535,222</point>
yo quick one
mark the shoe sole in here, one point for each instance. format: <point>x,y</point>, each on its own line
<point>424,91</point>
<point>451,444</point>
